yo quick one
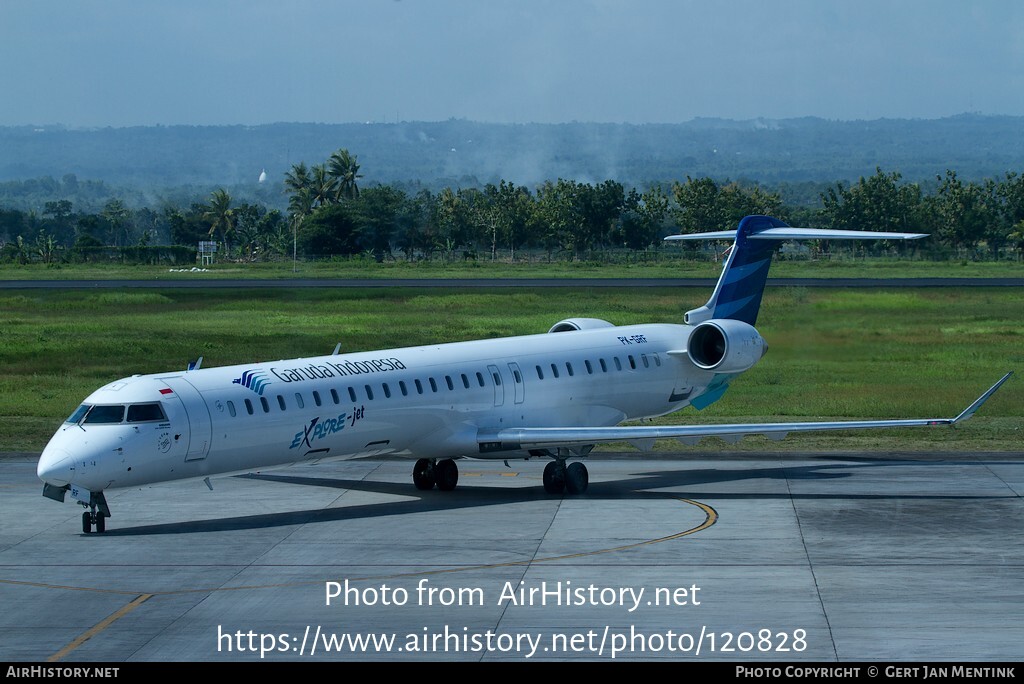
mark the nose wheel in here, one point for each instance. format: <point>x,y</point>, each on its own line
<point>97,519</point>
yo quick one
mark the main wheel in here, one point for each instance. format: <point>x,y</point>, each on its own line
<point>101,523</point>
<point>423,474</point>
<point>576,478</point>
<point>554,478</point>
<point>87,522</point>
<point>447,474</point>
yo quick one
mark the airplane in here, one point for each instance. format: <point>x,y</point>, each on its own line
<point>552,396</point>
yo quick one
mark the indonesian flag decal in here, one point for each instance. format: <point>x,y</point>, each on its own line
<point>166,390</point>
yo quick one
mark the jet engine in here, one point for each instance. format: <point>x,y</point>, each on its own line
<point>570,324</point>
<point>725,345</point>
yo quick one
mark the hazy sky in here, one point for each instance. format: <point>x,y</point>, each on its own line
<point>142,62</point>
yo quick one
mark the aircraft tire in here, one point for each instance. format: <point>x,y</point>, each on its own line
<point>554,478</point>
<point>87,522</point>
<point>447,474</point>
<point>577,479</point>
<point>101,523</point>
<point>424,474</point>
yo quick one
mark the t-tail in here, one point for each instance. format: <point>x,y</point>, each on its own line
<point>737,295</point>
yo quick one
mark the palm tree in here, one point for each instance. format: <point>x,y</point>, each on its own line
<point>323,187</point>
<point>221,216</point>
<point>297,179</point>
<point>300,205</point>
<point>116,215</point>
<point>344,167</point>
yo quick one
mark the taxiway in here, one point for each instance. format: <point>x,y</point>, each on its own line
<point>823,557</point>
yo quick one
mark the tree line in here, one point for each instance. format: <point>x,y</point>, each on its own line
<point>330,215</point>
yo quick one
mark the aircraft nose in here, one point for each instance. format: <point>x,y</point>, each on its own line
<point>55,467</point>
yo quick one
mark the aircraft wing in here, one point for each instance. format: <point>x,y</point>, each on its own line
<point>514,439</point>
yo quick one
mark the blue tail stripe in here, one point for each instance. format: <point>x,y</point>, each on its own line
<point>737,273</point>
<point>732,308</point>
<point>738,296</point>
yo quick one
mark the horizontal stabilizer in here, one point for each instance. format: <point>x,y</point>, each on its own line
<point>788,233</point>
<point>739,290</point>
<point>714,235</point>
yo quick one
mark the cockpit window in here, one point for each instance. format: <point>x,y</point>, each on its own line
<point>140,413</point>
<point>79,412</point>
<point>105,414</point>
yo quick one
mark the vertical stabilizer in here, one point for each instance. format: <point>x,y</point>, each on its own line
<point>741,285</point>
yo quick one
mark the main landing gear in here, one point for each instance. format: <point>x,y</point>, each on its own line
<point>96,515</point>
<point>573,479</point>
<point>558,477</point>
<point>429,471</point>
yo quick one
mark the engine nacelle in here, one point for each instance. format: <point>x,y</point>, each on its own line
<point>725,345</point>
<point>570,324</point>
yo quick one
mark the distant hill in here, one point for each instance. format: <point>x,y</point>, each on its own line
<point>457,152</point>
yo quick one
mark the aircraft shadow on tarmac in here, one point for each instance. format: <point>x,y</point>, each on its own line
<point>636,487</point>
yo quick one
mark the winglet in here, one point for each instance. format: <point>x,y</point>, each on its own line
<point>969,411</point>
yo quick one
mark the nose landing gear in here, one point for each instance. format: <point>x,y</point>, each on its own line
<point>97,514</point>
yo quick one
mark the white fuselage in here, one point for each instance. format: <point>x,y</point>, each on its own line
<point>421,402</point>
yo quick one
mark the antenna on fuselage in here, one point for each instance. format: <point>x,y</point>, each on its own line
<point>337,350</point>
<point>194,365</point>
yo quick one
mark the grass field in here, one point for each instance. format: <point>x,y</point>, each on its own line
<point>669,265</point>
<point>834,353</point>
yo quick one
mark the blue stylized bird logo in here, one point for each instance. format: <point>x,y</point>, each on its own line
<point>254,380</point>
